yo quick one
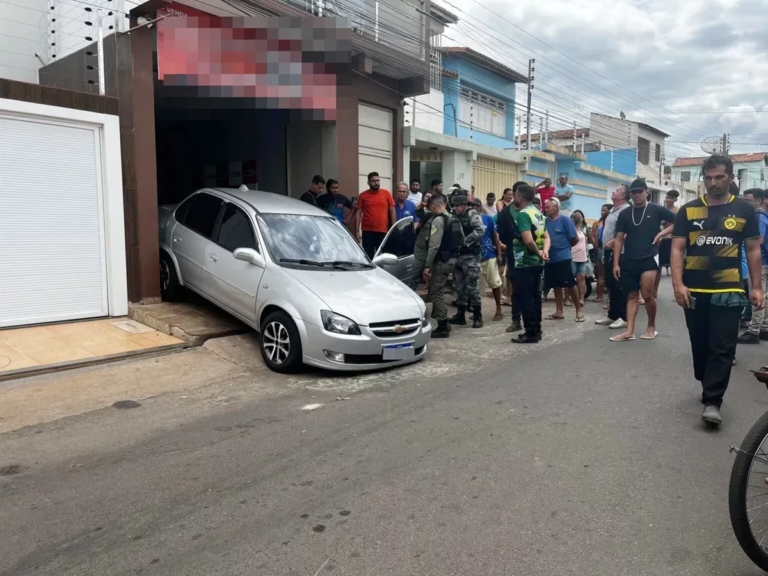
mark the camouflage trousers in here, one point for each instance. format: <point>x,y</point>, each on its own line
<point>439,278</point>
<point>466,280</point>
<point>439,273</point>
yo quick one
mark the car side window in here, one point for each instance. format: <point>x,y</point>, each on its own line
<point>400,241</point>
<point>236,230</point>
<point>201,213</point>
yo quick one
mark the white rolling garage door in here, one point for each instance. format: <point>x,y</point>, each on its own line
<point>375,140</point>
<point>51,222</point>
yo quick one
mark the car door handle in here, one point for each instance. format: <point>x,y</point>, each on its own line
<point>177,239</point>
<point>214,258</point>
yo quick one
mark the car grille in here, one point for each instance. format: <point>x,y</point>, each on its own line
<point>395,329</point>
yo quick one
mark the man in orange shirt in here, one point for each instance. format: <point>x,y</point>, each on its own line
<point>378,209</point>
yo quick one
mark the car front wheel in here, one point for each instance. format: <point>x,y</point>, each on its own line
<point>280,342</point>
<point>170,287</point>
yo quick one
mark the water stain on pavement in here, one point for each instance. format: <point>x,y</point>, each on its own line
<point>126,404</point>
<point>11,470</point>
<point>319,528</point>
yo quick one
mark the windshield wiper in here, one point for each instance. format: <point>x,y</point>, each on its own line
<point>348,263</point>
<point>304,262</point>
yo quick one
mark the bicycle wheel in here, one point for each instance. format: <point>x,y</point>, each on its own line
<point>748,493</point>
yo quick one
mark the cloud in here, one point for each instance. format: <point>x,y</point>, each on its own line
<point>671,59</point>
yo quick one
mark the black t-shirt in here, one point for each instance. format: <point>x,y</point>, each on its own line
<point>714,238</point>
<point>309,198</point>
<point>640,227</point>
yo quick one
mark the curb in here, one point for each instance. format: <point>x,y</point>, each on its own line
<point>139,314</point>
<point>85,362</point>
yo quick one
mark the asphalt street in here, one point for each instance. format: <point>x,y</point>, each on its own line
<point>573,456</point>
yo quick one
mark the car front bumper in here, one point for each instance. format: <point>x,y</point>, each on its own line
<point>362,352</point>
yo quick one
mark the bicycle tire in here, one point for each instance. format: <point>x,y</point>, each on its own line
<point>737,492</point>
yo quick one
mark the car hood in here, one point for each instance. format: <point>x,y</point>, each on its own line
<point>364,296</point>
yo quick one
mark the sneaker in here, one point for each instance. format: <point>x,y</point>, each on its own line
<point>515,327</point>
<point>711,415</point>
<point>604,322</point>
<point>748,338</point>
<point>618,324</point>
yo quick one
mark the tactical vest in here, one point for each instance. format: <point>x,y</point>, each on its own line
<point>452,238</point>
<point>466,226</point>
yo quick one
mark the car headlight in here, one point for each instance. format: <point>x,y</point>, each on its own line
<point>340,324</point>
<point>424,319</point>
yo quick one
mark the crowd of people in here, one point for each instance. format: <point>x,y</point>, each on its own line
<point>530,242</point>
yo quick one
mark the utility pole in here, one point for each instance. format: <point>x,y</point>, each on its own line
<point>583,142</point>
<point>100,48</point>
<point>546,128</point>
<point>519,139</point>
<point>541,133</point>
<point>724,145</point>
<point>574,136</point>
<point>531,70</point>
<point>661,169</point>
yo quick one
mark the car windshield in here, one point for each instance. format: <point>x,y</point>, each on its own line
<point>313,241</point>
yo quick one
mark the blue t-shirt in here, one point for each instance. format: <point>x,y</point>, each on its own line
<point>566,205</point>
<point>487,243</point>
<point>763,219</point>
<point>409,209</point>
<point>561,230</point>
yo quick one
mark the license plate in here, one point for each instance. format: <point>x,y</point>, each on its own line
<point>402,351</point>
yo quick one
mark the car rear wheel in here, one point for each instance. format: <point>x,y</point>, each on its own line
<point>280,343</point>
<point>170,287</point>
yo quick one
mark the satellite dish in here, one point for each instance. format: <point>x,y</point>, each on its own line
<point>712,144</point>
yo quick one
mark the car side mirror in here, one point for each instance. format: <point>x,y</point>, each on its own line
<point>249,255</point>
<point>385,260</point>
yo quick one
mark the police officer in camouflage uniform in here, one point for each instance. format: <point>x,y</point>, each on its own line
<point>466,275</point>
<point>435,252</point>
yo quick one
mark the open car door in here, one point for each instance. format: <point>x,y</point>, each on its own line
<point>399,242</point>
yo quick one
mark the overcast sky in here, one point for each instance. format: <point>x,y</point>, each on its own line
<point>680,55</point>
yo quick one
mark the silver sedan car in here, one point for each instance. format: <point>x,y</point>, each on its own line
<point>296,275</point>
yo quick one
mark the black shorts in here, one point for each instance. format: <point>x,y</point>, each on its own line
<point>665,250</point>
<point>559,275</point>
<point>632,270</point>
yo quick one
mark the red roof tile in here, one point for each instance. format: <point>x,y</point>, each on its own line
<point>753,157</point>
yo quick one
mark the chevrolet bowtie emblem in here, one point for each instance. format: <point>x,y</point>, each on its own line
<point>399,329</point>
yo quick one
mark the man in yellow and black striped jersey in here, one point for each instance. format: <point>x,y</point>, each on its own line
<point>706,274</point>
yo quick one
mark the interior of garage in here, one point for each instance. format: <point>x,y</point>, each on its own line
<point>204,142</point>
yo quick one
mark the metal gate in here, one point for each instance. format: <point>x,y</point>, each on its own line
<point>489,175</point>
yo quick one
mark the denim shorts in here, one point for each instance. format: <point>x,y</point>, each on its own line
<point>579,268</point>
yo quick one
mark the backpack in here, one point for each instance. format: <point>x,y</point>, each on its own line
<point>506,226</point>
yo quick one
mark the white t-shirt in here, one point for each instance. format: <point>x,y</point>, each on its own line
<point>414,197</point>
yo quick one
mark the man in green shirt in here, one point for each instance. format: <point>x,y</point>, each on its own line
<point>529,250</point>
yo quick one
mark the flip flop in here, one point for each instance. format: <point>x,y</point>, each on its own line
<point>580,319</point>
<point>621,338</point>
<point>553,317</point>
<point>644,337</point>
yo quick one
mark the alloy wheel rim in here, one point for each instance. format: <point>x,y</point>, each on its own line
<point>277,342</point>
<point>165,275</point>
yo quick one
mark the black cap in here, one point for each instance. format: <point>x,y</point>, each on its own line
<point>638,184</point>
<point>458,200</point>
<point>476,202</point>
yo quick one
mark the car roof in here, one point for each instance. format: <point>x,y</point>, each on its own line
<point>269,203</point>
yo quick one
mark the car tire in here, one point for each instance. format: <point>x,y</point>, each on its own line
<point>588,286</point>
<point>170,287</point>
<point>280,343</point>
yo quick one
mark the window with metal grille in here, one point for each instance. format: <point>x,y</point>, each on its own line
<point>658,152</point>
<point>643,151</point>
<point>685,176</point>
<point>483,112</point>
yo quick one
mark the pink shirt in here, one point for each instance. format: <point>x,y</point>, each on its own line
<point>579,252</point>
